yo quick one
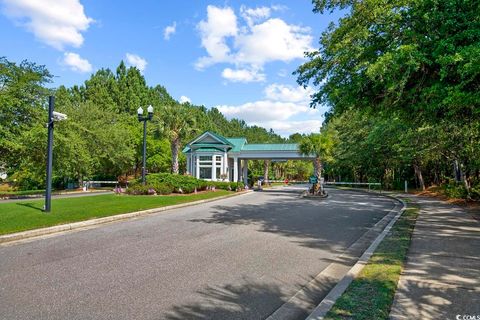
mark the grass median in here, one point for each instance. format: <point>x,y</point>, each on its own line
<point>370,295</point>
<point>27,215</point>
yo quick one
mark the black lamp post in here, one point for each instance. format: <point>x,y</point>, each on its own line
<point>143,118</point>
<point>52,117</point>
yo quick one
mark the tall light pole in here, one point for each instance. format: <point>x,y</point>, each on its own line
<point>143,118</point>
<point>52,116</point>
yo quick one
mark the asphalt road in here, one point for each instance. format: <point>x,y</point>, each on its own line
<point>237,258</point>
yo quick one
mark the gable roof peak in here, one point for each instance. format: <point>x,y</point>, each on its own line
<point>213,135</point>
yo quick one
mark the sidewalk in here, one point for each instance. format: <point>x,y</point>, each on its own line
<point>441,279</point>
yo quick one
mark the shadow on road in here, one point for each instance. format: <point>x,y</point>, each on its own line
<point>248,301</point>
<point>331,224</point>
<point>229,302</point>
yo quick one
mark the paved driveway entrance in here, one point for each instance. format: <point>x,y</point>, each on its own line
<point>238,258</point>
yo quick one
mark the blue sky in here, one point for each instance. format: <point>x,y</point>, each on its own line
<point>234,55</point>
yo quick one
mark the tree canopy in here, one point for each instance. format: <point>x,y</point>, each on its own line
<point>102,138</point>
<point>402,80</point>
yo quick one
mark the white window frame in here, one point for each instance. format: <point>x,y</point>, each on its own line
<point>212,163</point>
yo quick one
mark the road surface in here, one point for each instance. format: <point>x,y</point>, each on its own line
<point>237,258</point>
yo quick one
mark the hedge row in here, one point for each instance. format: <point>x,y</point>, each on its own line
<point>20,193</point>
<point>166,183</point>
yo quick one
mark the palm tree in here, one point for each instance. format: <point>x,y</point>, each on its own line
<point>177,123</point>
<point>320,146</point>
<point>266,165</point>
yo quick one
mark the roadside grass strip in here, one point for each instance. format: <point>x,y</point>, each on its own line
<point>28,215</point>
<point>370,295</point>
<point>21,193</point>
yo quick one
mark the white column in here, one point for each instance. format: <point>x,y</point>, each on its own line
<point>214,168</point>
<point>245,172</point>
<point>235,169</point>
<point>239,177</point>
<point>197,169</point>
<point>188,163</point>
<point>225,165</point>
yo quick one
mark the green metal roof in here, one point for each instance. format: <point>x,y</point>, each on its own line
<point>219,137</point>
<point>207,145</point>
<point>209,150</point>
<point>271,147</point>
<point>238,143</point>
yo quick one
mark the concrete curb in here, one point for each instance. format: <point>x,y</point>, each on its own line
<point>306,195</point>
<point>82,224</point>
<point>327,303</point>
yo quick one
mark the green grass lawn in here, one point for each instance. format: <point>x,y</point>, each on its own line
<point>276,184</point>
<point>272,184</point>
<point>6,194</point>
<point>370,295</point>
<point>27,215</point>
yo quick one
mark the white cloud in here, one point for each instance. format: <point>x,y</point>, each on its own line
<point>286,128</point>
<point>56,23</point>
<point>280,92</point>
<point>169,30</point>
<point>272,40</point>
<point>262,110</point>
<point>284,108</point>
<point>185,99</point>
<point>76,63</point>
<point>220,23</point>
<point>243,75</point>
<point>251,15</point>
<point>136,61</point>
<point>249,46</point>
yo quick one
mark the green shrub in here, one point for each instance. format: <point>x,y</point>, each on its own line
<point>225,185</point>
<point>133,183</point>
<point>161,188</point>
<point>475,193</point>
<point>455,190</point>
<point>180,183</point>
<point>237,186</point>
<point>220,185</point>
<point>166,183</point>
<point>150,188</point>
<point>138,189</point>
<point>27,180</point>
<point>6,194</point>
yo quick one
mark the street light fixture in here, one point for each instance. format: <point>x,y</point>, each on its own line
<point>143,118</point>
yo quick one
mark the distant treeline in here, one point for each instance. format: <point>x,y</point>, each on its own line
<point>102,138</point>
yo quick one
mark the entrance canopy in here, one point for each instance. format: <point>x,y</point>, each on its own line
<point>213,157</point>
